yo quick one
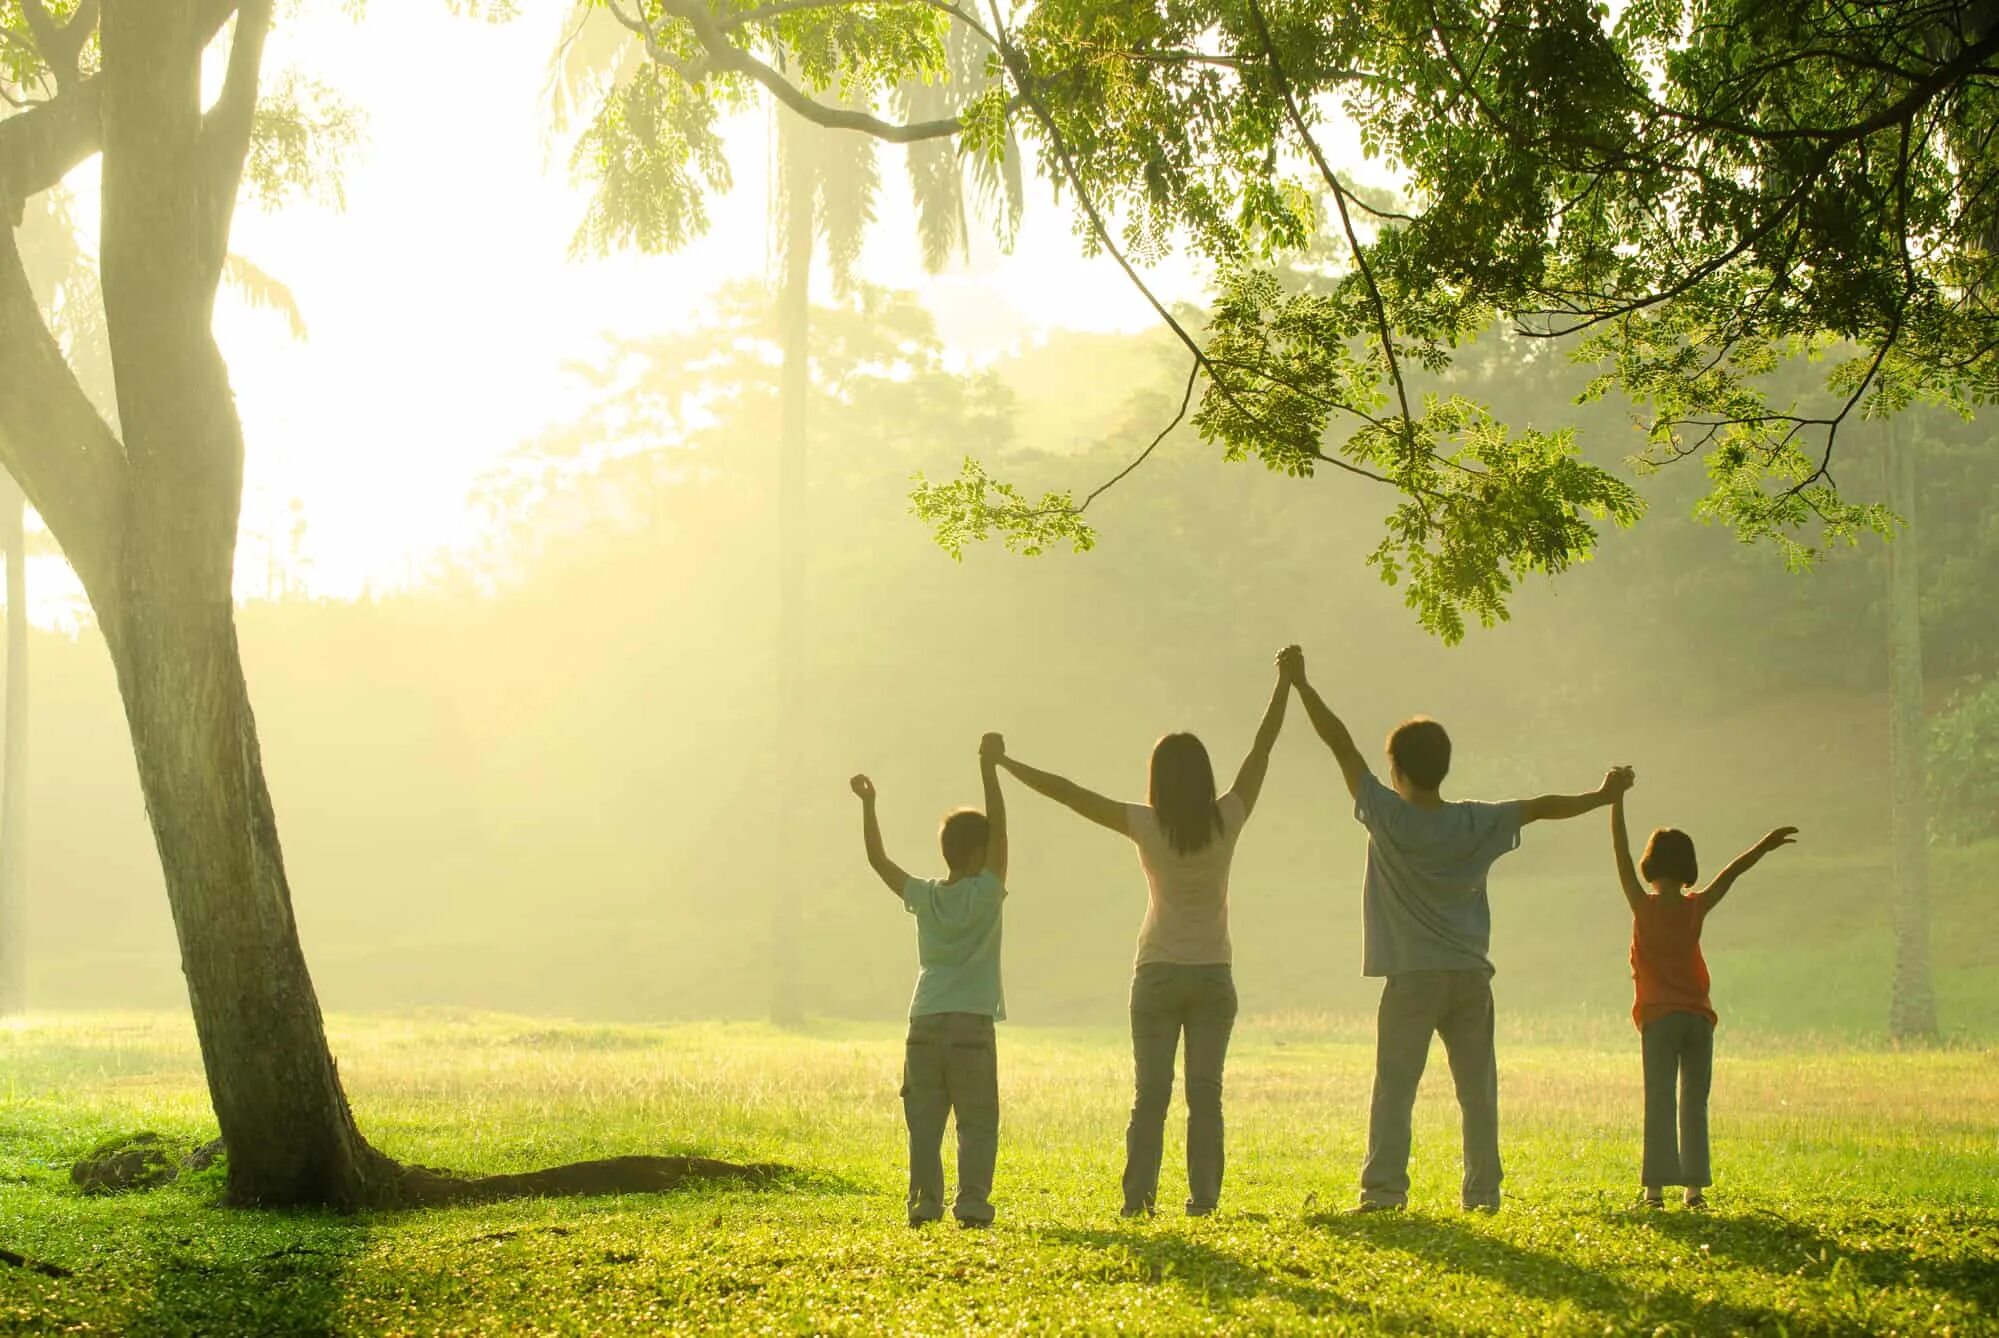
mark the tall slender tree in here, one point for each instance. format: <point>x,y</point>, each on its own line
<point>14,757</point>
<point>824,198</point>
<point>1912,1007</point>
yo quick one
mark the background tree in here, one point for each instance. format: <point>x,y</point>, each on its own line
<point>14,758</point>
<point>1912,1008</point>
<point>824,195</point>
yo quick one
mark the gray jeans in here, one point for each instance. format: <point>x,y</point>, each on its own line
<point>1166,1000</point>
<point>1679,1047</point>
<point>1415,1005</point>
<point>950,1066</point>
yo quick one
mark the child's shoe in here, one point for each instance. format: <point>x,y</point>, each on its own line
<point>1696,1200</point>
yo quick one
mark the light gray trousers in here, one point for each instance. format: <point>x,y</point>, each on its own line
<point>1679,1050</point>
<point>950,1067</point>
<point>1415,1005</point>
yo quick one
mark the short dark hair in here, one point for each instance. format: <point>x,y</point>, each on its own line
<point>963,835</point>
<point>1421,751</point>
<point>1670,854</point>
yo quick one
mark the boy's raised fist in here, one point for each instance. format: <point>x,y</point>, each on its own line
<point>863,787</point>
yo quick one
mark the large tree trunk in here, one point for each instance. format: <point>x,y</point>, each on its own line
<point>167,610</point>
<point>795,389</point>
<point>271,1077</point>
<point>1912,1013</point>
<point>14,762</point>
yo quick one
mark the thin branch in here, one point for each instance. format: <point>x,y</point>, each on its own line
<point>1023,79</point>
<point>726,55</point>
<point>1968,61</point>
<point>1078,508</point>
<point>1179,417</point>
<point>1384,330</point>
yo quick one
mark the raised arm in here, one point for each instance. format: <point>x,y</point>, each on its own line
<point>1331,729</point>
<point>1557,807</point>
<point>871,832</point>
<point>991,749</point>
<point>1104,812</point>
<point>1743,863</point>
<point>1620,845</point>
<point>1256,763</point>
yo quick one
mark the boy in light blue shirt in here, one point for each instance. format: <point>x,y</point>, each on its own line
<point>949,1062</point>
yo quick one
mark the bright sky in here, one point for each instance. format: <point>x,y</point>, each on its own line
<point>442,305</point>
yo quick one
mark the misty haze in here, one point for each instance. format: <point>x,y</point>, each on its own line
<point>523,518</point>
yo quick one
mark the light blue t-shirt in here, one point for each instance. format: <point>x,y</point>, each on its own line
<point>958,944</point>
<point>1424,906</point>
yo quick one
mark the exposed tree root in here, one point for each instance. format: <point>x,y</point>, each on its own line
<point>423,1187</point>
<point>42,1266</point>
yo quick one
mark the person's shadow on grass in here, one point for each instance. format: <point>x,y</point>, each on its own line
<point>1212,1274</point>
<point>1781,1246</point>
<point>1456,1244</point>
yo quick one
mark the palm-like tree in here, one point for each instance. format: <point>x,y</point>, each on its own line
<point>823,199</point>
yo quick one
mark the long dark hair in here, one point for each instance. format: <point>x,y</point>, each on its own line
<point>1183,793</point>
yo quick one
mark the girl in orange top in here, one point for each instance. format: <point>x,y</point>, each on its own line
<point>1675,1019</point>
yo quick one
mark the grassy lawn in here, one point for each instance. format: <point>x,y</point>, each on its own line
<point>1858,1192</point>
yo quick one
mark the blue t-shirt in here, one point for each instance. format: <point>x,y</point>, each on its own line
<point>958,945</point>
<point>1424,906</point>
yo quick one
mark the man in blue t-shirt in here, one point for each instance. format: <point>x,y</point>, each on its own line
<point>949,1063</point>
<point>1427,928</point>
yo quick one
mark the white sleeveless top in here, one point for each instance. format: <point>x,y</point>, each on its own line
<point>1187,902</point>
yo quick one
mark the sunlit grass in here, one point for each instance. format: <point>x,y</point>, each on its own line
<point>1855,1192</point>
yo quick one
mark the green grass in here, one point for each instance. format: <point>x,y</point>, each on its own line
<point>1856,1193</point>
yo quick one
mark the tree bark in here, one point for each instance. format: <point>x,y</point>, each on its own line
<point>271,1077</point>
<point>795,390</point>
<point>1912,1013</point>
<point>14,762</point>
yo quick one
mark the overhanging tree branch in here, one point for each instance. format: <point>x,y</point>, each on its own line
<point>723,54</point>
<point>1023,80</point>
<point>1383,329</point>
<point>1969,60</point>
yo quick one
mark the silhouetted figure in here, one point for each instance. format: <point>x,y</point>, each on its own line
<point>1182,982</point>
<point>1427,928</point>
<point>1675,1017</point>
<point>950,1067</point>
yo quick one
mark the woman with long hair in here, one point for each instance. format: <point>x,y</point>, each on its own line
<point>1181,979</point>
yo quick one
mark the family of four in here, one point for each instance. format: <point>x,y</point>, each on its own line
<point>1426,931</point>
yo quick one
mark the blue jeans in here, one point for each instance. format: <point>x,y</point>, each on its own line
<point>1168,999</point>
